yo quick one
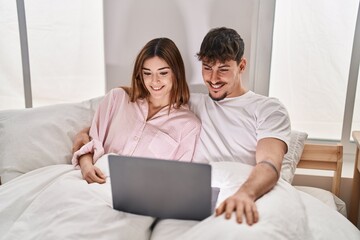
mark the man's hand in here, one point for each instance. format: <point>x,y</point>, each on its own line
<point>243,204</point>
<point>90,173</point>
<point>262,179</point>
<point>80,139</point>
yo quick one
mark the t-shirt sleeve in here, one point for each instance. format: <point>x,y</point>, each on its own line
<point>98,130</point>
<point>273,121</point>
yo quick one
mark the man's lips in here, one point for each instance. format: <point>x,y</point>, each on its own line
<point>216,86</point>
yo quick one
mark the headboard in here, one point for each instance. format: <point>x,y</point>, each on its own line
<point>324,157</point>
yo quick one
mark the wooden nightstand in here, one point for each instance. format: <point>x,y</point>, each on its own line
<point>354,203</point>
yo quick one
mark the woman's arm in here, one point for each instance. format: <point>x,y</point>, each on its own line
<point>90,172</point>
<point>88,143</point>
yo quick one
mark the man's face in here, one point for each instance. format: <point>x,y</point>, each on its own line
<point>223,79</point>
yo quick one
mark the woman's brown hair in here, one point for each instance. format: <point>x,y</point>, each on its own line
<point>165,49</point>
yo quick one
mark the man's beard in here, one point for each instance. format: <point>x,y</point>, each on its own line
<point>218,98</point>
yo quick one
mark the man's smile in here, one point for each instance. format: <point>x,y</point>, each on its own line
<point>216,86</point>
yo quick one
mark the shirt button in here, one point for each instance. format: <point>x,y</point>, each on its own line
<point>136,138</point>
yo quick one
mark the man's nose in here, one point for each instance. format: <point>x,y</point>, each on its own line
<point>213,77</point>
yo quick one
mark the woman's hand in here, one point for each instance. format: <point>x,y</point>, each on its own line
<point>90,173</point>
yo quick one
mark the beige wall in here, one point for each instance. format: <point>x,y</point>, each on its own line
<point>129,24</point>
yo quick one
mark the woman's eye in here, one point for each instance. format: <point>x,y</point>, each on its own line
<point>147,73</point>
<point>163,73</point>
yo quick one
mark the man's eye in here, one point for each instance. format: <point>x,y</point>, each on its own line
<point>224,70</point>
<point>207,68</point>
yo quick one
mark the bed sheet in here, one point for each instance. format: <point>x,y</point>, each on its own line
<point>56,203</point>
<point>318,220</point>
<point>323,222</point>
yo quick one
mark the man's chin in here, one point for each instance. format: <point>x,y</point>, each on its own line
<point>217,98</point>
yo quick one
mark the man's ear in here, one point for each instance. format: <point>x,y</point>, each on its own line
<point>242,64</point>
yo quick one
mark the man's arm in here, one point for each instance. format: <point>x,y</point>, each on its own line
<point>80,139</point>
<point>269,155</point>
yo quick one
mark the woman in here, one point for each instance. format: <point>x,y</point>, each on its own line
<point>149,119</point>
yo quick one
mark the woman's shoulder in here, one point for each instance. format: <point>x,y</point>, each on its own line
<point>118,92</point>
<point>187,115</point>
<point>116,97</point>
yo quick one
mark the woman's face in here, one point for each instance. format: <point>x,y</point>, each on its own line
<point>158,79</point>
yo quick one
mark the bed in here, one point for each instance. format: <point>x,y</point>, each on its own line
<point>42,196</point>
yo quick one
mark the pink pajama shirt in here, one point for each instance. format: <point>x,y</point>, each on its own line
<point>119,126</point>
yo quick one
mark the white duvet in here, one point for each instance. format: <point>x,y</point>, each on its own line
<point>54,202</point>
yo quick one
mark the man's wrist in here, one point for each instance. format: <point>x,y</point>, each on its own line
<point>271,165</point>
<point>248,190</point>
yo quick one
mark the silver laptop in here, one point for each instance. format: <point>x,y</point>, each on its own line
<point>161,188</point>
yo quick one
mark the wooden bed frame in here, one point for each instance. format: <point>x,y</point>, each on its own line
<point>324,157</point>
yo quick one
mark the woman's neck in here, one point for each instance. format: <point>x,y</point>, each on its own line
<point>155,107</point>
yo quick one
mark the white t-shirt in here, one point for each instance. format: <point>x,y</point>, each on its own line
<point>232,127</point>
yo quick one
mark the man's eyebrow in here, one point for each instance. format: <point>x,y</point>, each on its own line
<point>224,66</point>
<point>206,64</point>
<point>221,66</point>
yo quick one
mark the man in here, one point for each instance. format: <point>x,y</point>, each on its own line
<point>237,124</point>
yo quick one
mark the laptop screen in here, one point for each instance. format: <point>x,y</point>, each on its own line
<point>161,188</point>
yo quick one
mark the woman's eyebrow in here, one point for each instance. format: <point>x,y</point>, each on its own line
<point>158,69</point>
<point>164,68</point>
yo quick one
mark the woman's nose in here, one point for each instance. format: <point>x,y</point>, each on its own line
<point>155,78</point>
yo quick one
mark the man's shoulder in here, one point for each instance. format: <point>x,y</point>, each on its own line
<point>273,101</point>
<point>196,98</point>
<point>265,100</point>
<point>197,95</point>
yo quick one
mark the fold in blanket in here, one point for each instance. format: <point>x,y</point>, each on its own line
<point>56,203</point>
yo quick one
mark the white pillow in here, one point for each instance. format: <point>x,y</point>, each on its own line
<point>38,137</point>
<point>326,197</point>
<point>292,157</point>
